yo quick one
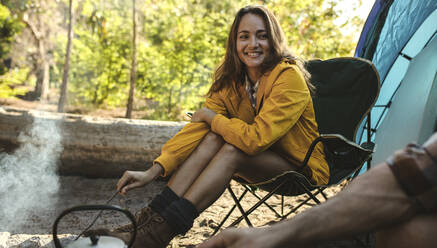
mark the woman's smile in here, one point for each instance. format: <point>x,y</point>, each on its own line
<point>253,45</point>
<point>254,54</point>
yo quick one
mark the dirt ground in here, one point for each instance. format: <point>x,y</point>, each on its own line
<point>74,191</point>
<point>37,231</point>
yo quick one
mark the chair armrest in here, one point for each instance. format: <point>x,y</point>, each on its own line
<point>309,152</point>
<point>369,146</point>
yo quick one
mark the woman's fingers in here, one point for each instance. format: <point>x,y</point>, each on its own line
<point>196,116</point>
<point>123,180</point>
<point>133,179</point>
<point>203,115</point>
<point>130,186</point>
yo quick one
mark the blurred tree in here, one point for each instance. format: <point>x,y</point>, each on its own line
<point>9,28</point>
<point>179,43</point>
<point>64,86</point>
<point>41,21</point>
<point>311,28</point>
<point>133,64</point>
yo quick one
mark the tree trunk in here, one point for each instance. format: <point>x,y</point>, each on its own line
<point>64,86</point>
<point>133,66</point>
<point>169,106</point>
<point>42,78</point>
<point>92,146</point>
<point>42,68</point>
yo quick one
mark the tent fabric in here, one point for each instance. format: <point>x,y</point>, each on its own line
<point>389,27</point>
<point>372,29</point>
<point>413,112</point>
<point>402,21</point>
<point>387,41</point>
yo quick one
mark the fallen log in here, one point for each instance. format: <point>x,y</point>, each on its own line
<point>93,146</point>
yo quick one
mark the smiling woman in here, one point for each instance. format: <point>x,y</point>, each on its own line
<point>252,45</point>
<point>257,123</point>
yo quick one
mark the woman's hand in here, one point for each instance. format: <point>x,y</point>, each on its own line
<point>203,115</point>
<point>135,179</point>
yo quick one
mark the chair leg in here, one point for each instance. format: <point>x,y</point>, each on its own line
<point>243,213</point>
<point>369,164</point>
<point>356,174</point>
<point>323,193</point>
<point>298,206</point>
<point>229,213</point>
<point>308,192</point>
<point>265,203</point>
<point>266,197</point>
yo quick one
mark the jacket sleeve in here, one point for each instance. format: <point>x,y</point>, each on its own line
<point>287,101</point>
<point>178,148</point>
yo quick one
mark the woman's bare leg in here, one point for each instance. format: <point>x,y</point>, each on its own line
<point>189,170</point>
<point>229,161</point>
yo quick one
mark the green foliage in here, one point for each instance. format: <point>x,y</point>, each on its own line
<point>179,44</point>
<point>9,27</point>
<point>311,29</point>
<point>99,66</point>
<point>184,46</point>
<point>10,81</point>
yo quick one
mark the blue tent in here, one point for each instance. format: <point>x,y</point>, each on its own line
<point>399,37</point>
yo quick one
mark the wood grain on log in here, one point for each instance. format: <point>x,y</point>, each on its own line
<point>93,146</point>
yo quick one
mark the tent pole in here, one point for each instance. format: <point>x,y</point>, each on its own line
<point>369,136</point>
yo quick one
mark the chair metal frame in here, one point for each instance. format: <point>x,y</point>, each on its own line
<point>305,188</point>
<point>365,151</point>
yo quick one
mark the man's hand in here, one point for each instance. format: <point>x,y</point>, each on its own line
<point>203,115</point>
<point>135,179</point>
<point>240,238</point>
<point>431,144</point>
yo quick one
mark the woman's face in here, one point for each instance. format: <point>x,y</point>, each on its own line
<point>252,42</point>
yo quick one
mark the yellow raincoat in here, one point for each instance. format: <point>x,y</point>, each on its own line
<point>284,122</point>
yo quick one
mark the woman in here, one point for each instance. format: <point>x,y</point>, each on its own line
<point>258,122</point>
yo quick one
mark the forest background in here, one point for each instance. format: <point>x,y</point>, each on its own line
<point>154,57</point>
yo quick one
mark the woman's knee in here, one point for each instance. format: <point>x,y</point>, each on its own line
<point>234,156</point>
<point>231,150</point>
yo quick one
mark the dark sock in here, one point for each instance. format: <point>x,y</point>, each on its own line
<point>180,215</point>
<point>163,200</point>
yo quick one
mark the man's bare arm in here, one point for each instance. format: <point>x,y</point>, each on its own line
<point>372,201</point>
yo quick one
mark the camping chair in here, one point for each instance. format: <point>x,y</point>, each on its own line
<point>347,89</point>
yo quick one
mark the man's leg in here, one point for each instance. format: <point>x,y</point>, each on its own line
<point>420,231</point>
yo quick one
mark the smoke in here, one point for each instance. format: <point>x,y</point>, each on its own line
<point>28,179</point>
